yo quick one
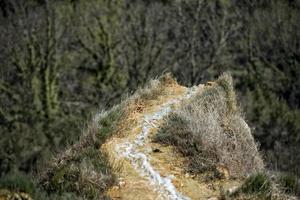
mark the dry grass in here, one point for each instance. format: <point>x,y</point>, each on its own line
<point>151,91</point>
<point>83,168</point>
<point>210,131</point>
<point>141,99</point>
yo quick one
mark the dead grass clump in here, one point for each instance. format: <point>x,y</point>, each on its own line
<point>210,131</point>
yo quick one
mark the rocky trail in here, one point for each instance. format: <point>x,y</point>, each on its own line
<point>151,170</point>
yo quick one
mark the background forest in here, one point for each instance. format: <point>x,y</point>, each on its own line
<point>62,61</point>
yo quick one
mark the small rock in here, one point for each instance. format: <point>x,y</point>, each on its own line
<point>187,175</point>
<point>17,197</point>
<point>223,171</point>
<point>122,183</point>
<point>156,150</point>
<point>115,187</point>
<point>211,186</point>
<point>209,83</point>
<point>213,198</point>
<point>25,196</point>
<point>233,189</point>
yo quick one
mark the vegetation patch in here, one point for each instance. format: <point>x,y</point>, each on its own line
<point>22,186</point>
<point>18,182</point>
<point>209,130</point>
<point>265,185</point>
<point>289,183</point>
<point>83,169</point>
<point>151,91</point>
<point>258,184</point>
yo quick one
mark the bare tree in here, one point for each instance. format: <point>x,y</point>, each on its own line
<point>33,52</point>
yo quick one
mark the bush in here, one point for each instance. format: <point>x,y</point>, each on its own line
<point>87,175</point>
<point>210,131</point>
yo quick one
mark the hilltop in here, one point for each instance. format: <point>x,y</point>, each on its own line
<point>166,141</point>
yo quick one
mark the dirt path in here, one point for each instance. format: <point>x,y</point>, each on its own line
<point>153,171</point>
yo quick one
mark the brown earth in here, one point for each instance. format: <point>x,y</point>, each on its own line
<point>165,160</point>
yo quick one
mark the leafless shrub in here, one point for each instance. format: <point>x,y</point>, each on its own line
<point>209,130</point>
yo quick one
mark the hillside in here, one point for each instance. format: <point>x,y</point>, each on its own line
<point>69,70</point>
<point>167,151</point>
<point>152,170</point>
<point>166,141</point>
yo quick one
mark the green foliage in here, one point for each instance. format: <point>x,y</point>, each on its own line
<point>277,128</point>
<point>289,183</point>
<point>108,124</point>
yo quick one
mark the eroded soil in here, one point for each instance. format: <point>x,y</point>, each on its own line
<point>163,159</point>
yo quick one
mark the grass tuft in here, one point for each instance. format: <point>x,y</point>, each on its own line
<point>289,184</point>
<point>153,89</point>
<point>258,184</point>
<point>264,185</point>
